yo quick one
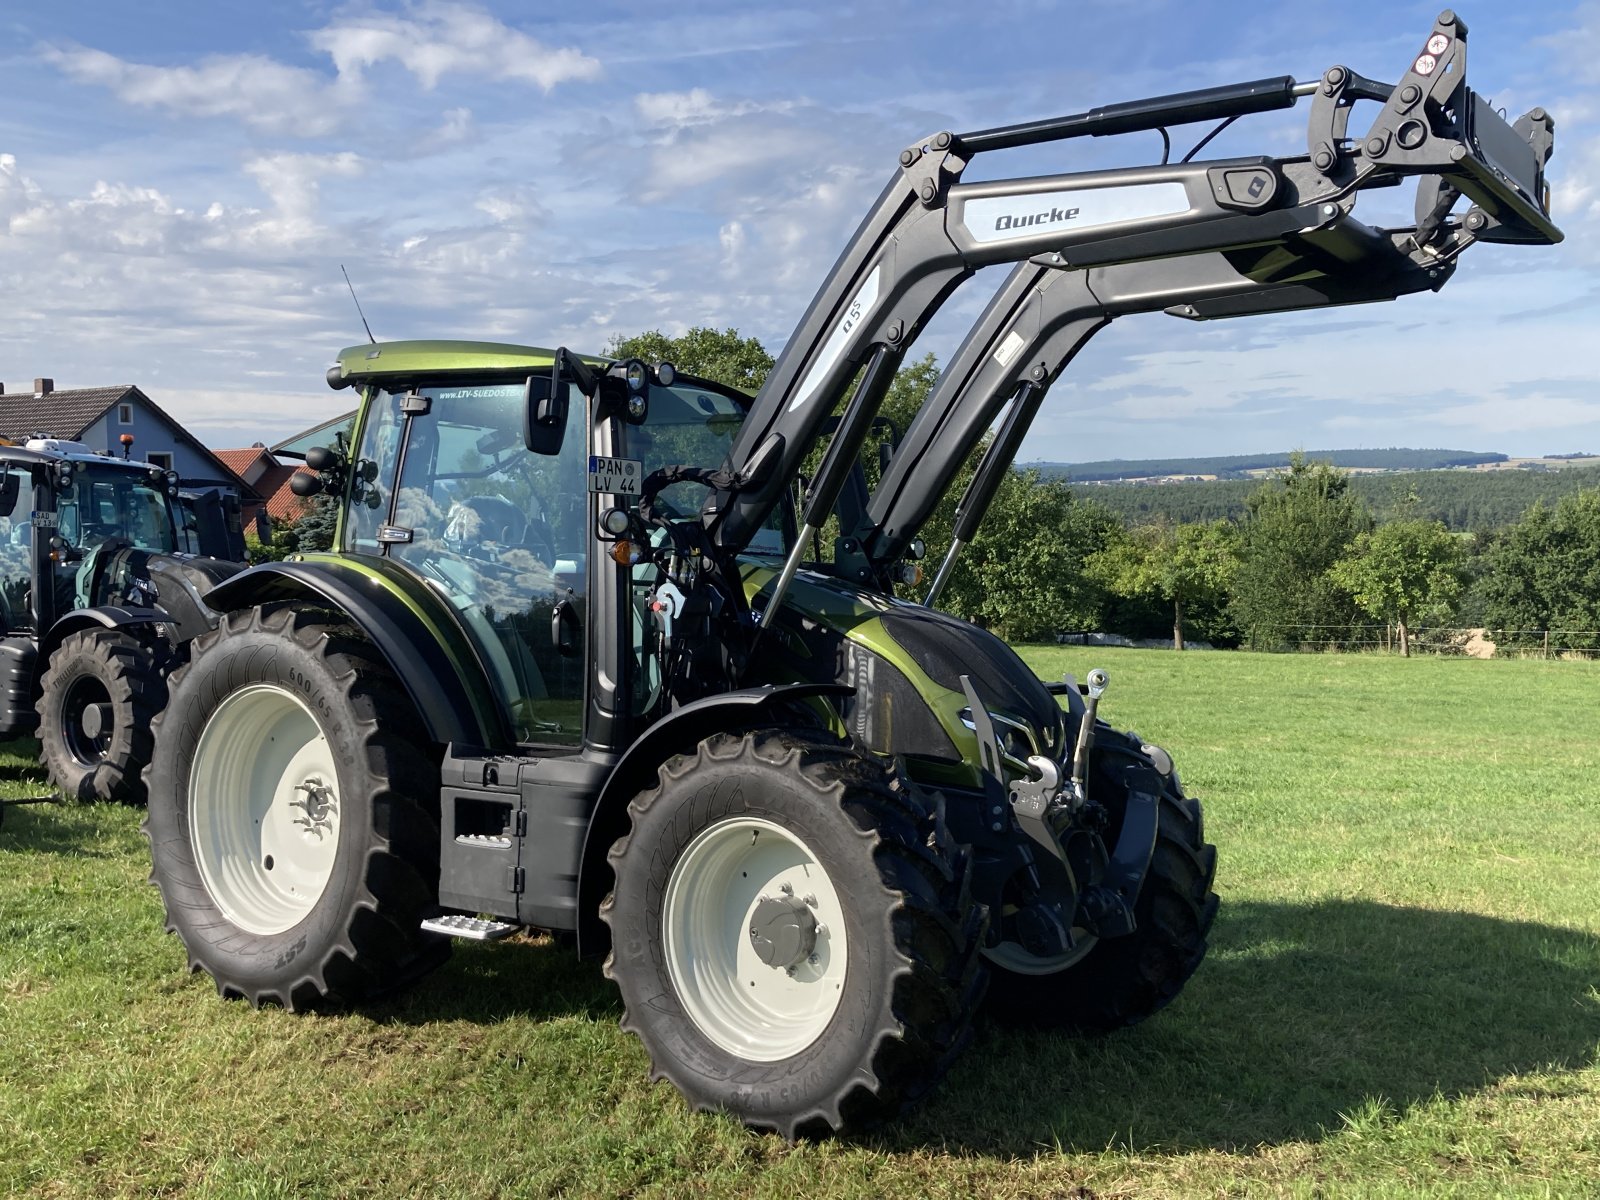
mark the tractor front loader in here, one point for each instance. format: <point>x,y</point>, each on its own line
<point>570,667</point>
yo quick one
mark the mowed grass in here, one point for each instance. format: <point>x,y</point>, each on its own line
<point>1400,997</point>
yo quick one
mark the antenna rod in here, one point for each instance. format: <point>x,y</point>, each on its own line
<point>359,313</point>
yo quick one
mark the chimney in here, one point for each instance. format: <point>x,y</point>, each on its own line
<point>2,389</point>
<point>43,387</point>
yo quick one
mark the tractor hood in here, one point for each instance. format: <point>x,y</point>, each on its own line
<point>905,663</point>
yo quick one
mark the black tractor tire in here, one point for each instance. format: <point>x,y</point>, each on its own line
<point>912,975</point>
<point>1120,981</point>
<point>98,698</point>
<point>359,936</point>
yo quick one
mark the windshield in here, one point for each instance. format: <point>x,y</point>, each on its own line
<point>105,503</point>
<point>693,425</point>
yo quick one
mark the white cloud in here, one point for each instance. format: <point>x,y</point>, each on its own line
<point>292,182</point>
<point>438,39</point>
<point>698,106</point>
<point>262,93</point>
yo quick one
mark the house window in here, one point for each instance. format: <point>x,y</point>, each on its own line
<point>160,458</point>
<point>124,414</point>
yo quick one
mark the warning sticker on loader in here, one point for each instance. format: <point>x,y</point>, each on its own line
<point>621,476</point>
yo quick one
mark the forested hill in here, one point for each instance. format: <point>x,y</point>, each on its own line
<point>1463,500</point>
<point>1226,465</point>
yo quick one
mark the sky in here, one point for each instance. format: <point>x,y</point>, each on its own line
<point>181,182</point>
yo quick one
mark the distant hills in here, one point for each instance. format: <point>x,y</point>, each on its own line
<point>1484,498</point>
<point>1241,466</point>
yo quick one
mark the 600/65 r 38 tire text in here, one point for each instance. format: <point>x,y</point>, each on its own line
<point>1110,983</point>
<point>791,933</point>
<point>289,823</point>
<point>96,704</point>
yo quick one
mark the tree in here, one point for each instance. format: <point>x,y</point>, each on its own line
<point>1544,574</point>
<point>1403,570</point>
<point>1297,525</point>
<point>724,357</point>
<point>1182,564</point>
<point>1023,573</point>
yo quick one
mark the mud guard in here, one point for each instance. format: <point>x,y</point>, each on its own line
<point>105,616</point>
<point>433,678</point>
<point>636,769</point>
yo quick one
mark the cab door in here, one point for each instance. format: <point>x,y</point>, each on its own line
<point>499,533</point>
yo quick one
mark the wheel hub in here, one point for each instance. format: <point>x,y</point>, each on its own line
<point>318,805</point>
<point>96,721</point>
<point>783,931</point>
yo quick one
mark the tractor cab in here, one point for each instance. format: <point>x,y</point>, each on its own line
<point>509,546</point>
<point>64,513</point>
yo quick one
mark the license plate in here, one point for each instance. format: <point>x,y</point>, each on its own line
<point>621,476</point>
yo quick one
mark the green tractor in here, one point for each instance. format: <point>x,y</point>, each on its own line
<point>575,664</point>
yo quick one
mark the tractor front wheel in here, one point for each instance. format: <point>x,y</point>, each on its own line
<point>98,698</point>
<point>289,825</point>
<point>791,933</point>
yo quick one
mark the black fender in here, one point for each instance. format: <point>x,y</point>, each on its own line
<point>438,677</point>
<point>181,582</point>
<point>105,616</point>
<point>676,733</point>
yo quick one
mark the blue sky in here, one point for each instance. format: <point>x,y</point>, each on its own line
<point>179,184</point>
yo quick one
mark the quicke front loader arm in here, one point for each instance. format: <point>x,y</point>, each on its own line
<point>928,232</point>
<point>1043,316</point>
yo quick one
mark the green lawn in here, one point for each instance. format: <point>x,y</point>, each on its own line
<point>1400,997</point>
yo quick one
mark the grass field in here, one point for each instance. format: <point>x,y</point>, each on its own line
<point>1400,997</point>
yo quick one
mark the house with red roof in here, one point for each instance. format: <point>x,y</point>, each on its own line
<point>269,479</point>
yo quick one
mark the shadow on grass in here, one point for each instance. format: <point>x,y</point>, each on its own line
<point>538,978</point>
<point>1300,1014</point>
<point>47,827</point>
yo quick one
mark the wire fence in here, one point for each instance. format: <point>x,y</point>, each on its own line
<point>1432,639</point>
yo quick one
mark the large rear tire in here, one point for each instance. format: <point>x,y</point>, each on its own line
<point>291,824</point>
<point>97,701</point>
<point>1110,983</point>
<point>792,934</point>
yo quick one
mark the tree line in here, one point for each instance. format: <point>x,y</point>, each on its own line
<point>1465,501</point>
<point>1235,466</point>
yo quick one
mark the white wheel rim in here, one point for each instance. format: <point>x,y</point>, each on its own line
<point>1015,957</point>
<point>750,1009</point>
<point>264,809</point>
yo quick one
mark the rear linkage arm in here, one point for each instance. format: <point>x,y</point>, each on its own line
<point>928,232</point>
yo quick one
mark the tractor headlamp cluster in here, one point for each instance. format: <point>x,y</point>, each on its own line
<point>636,376</point>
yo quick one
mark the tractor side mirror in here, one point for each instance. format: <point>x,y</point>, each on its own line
<point>10,484</point>
<point>544,402</point>
<point>305,486</point>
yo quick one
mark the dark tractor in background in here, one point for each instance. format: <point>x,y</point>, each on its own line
<point>95,601</point>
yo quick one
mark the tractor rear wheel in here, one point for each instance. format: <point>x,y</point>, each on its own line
<point>1109,983</point>
<point>792,934</point>
<point>97,700</point>
<point>290,827</point>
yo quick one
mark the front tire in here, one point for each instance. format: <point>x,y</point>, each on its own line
<point>791,933</point>
<point>290,828</point>
<point>97,701</point>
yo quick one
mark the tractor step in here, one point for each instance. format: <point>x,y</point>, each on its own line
<point>475,928</point>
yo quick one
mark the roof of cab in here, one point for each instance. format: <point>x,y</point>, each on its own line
<point>418,357</point>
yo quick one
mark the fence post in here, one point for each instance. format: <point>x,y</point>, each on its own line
<point>1547,643</point>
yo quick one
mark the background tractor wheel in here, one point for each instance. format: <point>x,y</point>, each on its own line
<point>792,934</point>
<point>1113,982</point>
<point>292,829</point>
<point>98,699</point>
